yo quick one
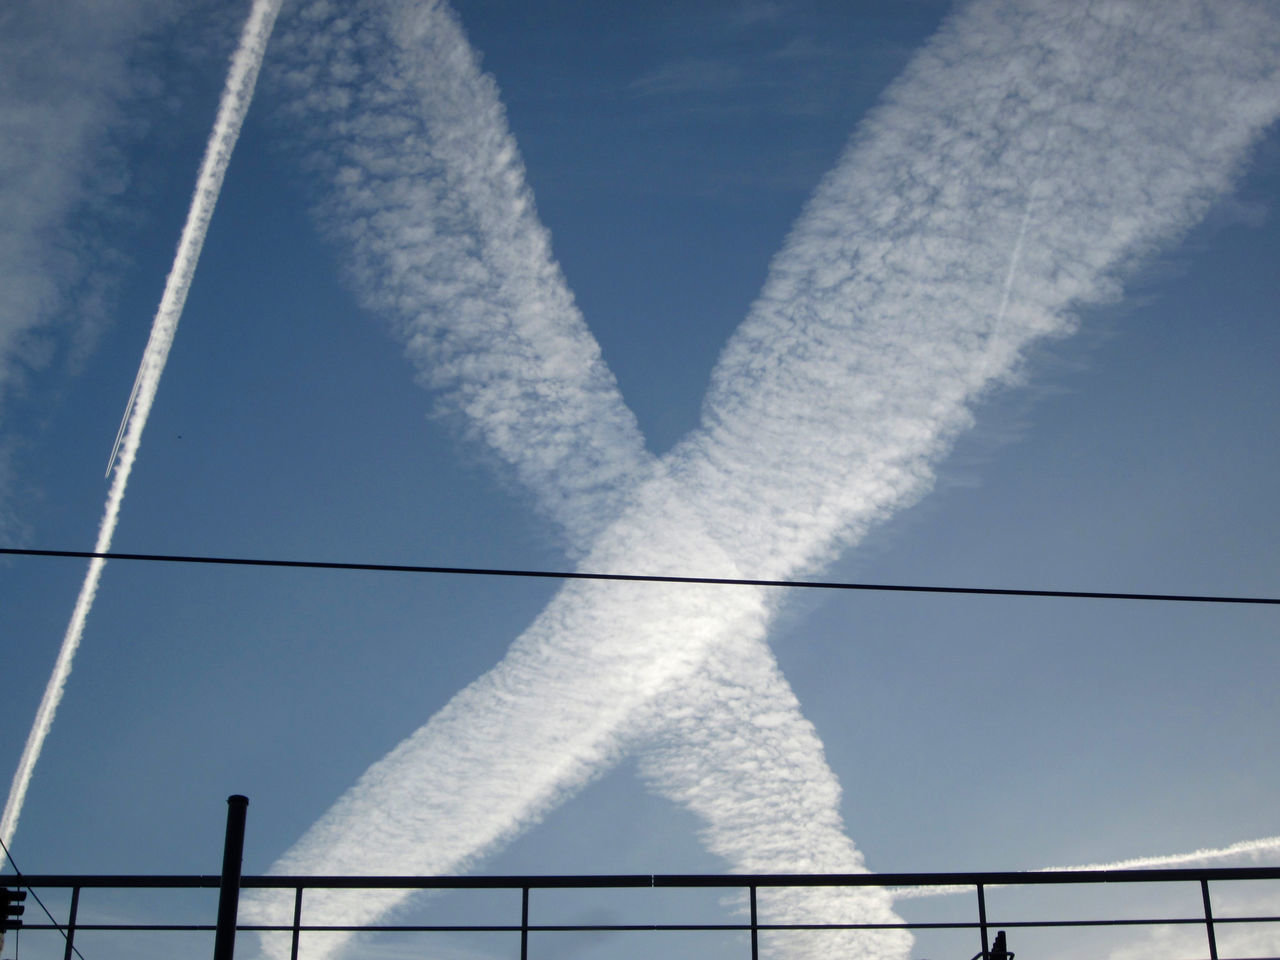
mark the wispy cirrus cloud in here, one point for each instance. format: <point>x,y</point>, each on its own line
<point>64,73</point>
<point>232,109</point>
<point>1030,154</point>
<point>691,75</point>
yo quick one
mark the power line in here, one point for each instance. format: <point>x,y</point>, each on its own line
<point>635,577</point>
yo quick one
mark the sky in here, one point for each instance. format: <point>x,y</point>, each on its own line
<point>898,293</point>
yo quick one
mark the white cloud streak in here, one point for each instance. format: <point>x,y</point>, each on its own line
<point>1255,850</point>
<point>1162,941</point>
<point>232,108</point>
<point>429,195</point>
<point>894,305</point>
<point>435,211</point>
<point>730,743</point>
<point>879,324</point>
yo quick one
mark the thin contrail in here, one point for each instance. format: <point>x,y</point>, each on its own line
<point>124,422</point>
<point>1244,848</point>
<point>236,96</point>
<point>1014,257</point>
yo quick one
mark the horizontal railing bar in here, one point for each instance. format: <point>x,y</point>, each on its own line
<point>390,928</point>
<point>1157,875</point>
<point>129,927</point>
<point>1012,878</point>
<point>670,927</point>
<point>1155,921</point>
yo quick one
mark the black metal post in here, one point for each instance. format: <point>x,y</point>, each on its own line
<point>524,924</point>
<point>982,922</point>
<point>1208,920</point>
<point>755,929</point>
<point>71,923</point>
<point>224,941</point>
<point>297,923</point>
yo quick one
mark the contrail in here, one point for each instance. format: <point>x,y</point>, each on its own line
<point>1165,941</point>
<point>1245,848</point>
<point>851,376</point>
<point>124,421</point>
<point>234,104</point>
<point>1249,848</point>
<point>447,208</point>
<point>579,450</point>
<point>1014,257</point>
<point>428,191</point>
<point>784,816</point>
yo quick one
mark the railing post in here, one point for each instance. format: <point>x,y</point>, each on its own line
<point>1208,920</point>
<point>71,923</point>
<point>524,923</point>
<point>224,941</point>
<point>297,922</point>
<point>755,929</point>
<point>982,922</point>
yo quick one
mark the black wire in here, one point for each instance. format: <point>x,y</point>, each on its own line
<point>636,577</point>
<point>35,896</point>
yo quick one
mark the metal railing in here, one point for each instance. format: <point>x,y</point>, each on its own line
<point>747,886</point>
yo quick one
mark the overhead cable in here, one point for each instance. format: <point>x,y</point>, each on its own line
<point>635,577</point>
<point>22,880</point>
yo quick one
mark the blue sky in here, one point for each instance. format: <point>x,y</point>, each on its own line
<point>1109,432</point>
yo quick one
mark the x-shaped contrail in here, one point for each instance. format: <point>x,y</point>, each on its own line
<point>1060,141</point>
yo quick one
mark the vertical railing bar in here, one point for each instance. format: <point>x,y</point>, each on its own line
<point>224,939</point>
<point>71,923</point>
<point>1208,920</point>
<point>297,922</point>
<point>524,923</point>
<point>755,929</point>
<point>982,922</point>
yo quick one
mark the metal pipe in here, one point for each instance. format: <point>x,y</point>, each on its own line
<point>755,927</point>
<point>1208,920</point>
<point>524,924</point>
<point>982,921</point>
<point>71,923</point>
<point>297,924</point>
<point>224,942</point>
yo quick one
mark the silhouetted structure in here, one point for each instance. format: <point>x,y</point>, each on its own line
<point>230,882</point>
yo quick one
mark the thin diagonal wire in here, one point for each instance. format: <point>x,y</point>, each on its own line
<point>636,577</point>
<point>35,896</point>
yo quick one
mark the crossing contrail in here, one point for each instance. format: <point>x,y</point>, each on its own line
<point>448,247</point>
<point>892,308</point>
<point>232,108</point>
